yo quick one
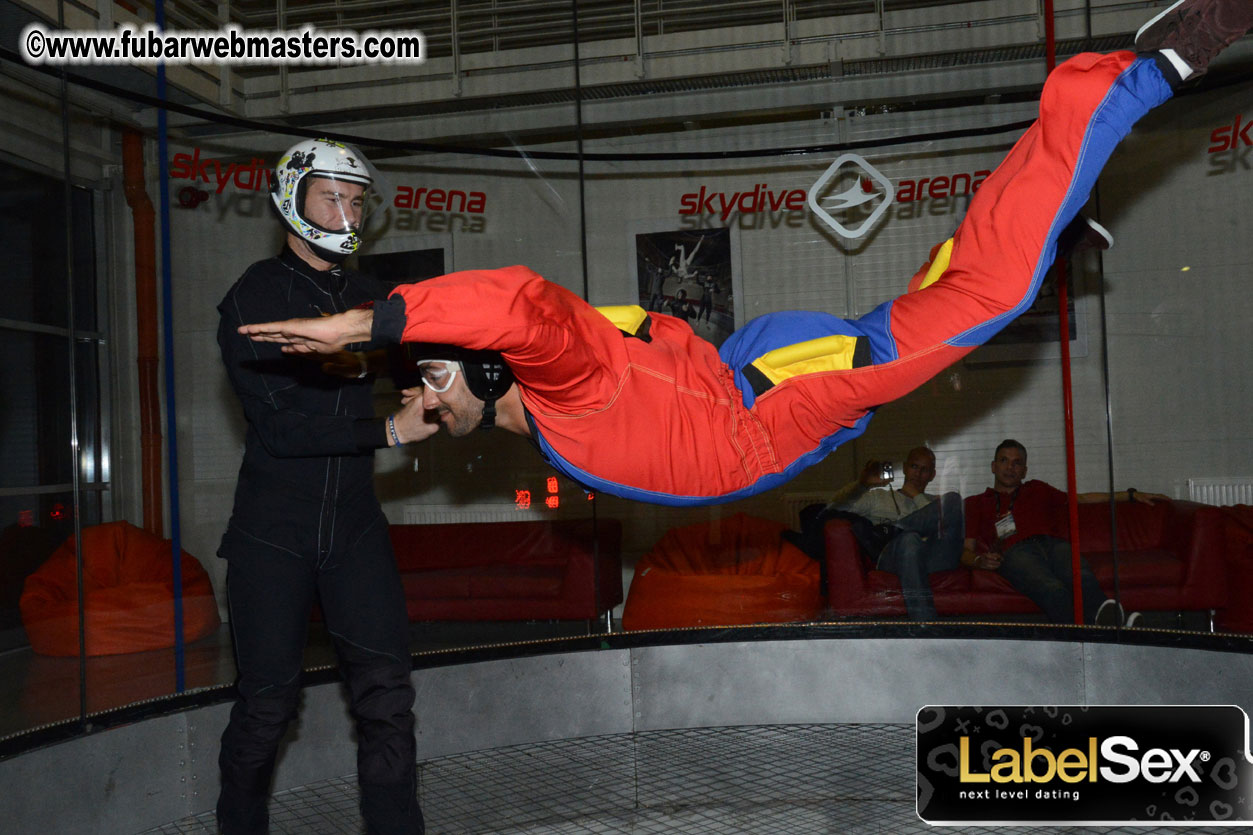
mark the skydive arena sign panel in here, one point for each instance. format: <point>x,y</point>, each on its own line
<point>1188,765</point>
<point>850,196</point>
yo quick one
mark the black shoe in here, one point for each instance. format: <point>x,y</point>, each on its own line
<point>1189,33</point>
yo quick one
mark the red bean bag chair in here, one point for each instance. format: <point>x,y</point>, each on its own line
<point>729,571</point>
<point>128,587</point>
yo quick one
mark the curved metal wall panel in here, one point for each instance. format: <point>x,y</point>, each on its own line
<point>870,680</point>
<point>144,774</point>
<point>496,703</point>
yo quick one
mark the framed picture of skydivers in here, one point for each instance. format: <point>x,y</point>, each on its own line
<point>404,267</point>
<point>688,273</point>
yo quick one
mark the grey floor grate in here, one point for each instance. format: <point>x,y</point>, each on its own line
<point>765,780</point>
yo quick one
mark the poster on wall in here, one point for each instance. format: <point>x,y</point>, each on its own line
<point>688,273</point>
<point>405,267</point>
<point>1034,334</point>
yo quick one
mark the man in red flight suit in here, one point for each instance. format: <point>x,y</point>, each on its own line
<point>596,389</point>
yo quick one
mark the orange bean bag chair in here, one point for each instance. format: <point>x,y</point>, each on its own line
<point>729,571</point>
<point>128,587</point>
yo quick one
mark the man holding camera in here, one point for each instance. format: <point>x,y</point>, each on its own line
<point>924,532</point>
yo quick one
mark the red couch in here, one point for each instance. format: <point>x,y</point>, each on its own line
<point>1171,556</point>
<point>536,570</point>
<point>1238,617</point>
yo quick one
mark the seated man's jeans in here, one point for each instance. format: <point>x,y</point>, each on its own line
<point>1040,568</point>
<point>930,540</point>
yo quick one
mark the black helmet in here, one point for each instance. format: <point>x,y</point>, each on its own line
<point>487,374</point>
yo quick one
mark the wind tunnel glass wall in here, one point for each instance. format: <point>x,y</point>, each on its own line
<point>55,439</point>
<point>492,542</point>
<point>1175,311</point>
<point>1153,368</point>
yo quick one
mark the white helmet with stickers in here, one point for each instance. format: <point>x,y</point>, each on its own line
<point>300,165</point>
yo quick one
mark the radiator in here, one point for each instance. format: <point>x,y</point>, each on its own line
<point>1221,491</point>
<point>796,502</point>
<point>439,514</point>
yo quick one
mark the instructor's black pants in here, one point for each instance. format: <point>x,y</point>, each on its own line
<point>271,590</point>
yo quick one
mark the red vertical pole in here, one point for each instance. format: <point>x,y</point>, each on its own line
<point>1068,404</point>
<point>1050,37</point>
<point>1068,410</point>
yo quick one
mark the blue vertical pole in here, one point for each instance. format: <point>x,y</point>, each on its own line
<point>167,317</point>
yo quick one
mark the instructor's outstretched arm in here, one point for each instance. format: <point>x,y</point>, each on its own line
<point>324,335</point>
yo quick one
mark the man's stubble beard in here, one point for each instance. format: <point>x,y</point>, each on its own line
<point>462,423</point>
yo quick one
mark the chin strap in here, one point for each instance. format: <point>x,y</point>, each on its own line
<point>489,415</point>
<point>330,255</point>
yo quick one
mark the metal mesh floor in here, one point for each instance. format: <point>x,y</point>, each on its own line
<point>763,780</point>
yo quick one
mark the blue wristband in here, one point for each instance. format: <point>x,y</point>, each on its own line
<point>391,427</point>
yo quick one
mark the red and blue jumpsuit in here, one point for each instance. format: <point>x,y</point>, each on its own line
<point>636,405</point>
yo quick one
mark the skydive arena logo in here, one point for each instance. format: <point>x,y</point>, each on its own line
<point>1085,765</point>
<point>851,196</point>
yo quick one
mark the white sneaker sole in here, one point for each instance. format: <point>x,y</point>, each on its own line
<point>1102,231</point>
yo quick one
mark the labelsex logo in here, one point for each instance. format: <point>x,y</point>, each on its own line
<point>828,200</point>
<point>1108,764</point>
<point>1073,765</point>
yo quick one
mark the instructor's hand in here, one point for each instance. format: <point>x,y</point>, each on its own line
<point>324,335</point>
<point>349,364</point>
<point>410,422</point>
